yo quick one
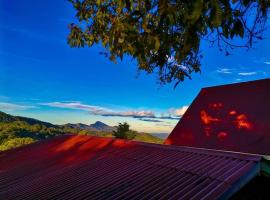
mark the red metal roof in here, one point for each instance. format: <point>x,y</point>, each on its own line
<point>84,167</point>
<point>233,117</point>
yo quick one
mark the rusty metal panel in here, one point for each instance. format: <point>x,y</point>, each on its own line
<point>233,117</point>
<point>84,167</point>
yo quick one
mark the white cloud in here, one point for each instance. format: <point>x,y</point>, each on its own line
<point>178,112</point>
<point>224,71</point>
<point>267,62</point>
<point>102,111</point>
<point>247,73</point>
<point>11,106</point>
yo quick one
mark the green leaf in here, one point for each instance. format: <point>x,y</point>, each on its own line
<point>197,10</point>
<point>121,40</point>
<point>157,43</point>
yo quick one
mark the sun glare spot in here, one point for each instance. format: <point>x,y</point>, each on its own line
<point>242,122</point>
<point>216,105</point>
<point>222,135</point>
<point>207,119</point>
<point>232,112</point>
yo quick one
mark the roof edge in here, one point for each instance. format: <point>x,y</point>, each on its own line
<point>239,83</point>
<point>238,185</point>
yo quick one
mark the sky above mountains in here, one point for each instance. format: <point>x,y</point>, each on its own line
<point>42,77</point>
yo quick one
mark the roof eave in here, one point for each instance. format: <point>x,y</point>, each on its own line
<point>253,172</point>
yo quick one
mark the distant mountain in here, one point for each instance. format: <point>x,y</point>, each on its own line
<point>78,126</point>
<point>97,126</point>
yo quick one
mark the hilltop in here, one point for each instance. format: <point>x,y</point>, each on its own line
<point>97,126</point>
<point>6,118</point>
<point>17,130</point>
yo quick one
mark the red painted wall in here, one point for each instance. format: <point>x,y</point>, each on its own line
<point>232,117</point>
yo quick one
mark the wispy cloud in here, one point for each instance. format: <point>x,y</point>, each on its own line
<point>240,71</point>
<point>29,58</point>
<point>150,120</point>
<point>134,114</point>
<point>24,31</point>
<point>33,34</point>
<point>224,71</point>
<point>12,107</point>
<point>164,124</point>
<point>247,73</point>
<point>97,110</point>
<point>267,62</point>
<point>74,105</point>
<point>144,115</point>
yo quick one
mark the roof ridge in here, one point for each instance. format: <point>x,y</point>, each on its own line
<point>238,83</point>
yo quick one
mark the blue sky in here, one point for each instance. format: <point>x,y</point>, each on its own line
<point>42,77</point>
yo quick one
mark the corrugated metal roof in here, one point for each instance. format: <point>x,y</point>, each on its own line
<point>233,117</point>
<point>84,167</point>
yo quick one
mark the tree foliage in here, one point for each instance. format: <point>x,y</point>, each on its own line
<point>164,36</point>
<point>15,142</point>
<point>123,131</point>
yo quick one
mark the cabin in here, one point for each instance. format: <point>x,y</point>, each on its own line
<point>219,150</point>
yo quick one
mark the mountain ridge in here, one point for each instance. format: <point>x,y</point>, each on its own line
<point>4,117</point>
<point>97,126</point>
<point>16,131</point>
